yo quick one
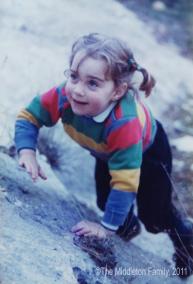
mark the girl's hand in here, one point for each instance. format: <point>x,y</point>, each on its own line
<point>87,228</point>
<point>27,160</point>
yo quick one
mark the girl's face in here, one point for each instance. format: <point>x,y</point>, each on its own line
<point>88,90</point>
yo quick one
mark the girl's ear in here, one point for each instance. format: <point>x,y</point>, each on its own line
<point>120,91</point>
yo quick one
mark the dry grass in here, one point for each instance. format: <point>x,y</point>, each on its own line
<point>100,250</point>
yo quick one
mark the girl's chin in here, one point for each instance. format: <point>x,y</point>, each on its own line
<point>79,111</point>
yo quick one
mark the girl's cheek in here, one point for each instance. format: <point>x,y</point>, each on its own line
<point>97,102</point>
<point>68,90</point>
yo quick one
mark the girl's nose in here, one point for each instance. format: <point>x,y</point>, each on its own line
<point>79,89</point>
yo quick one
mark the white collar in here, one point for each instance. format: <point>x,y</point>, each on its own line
<point>103,115</point>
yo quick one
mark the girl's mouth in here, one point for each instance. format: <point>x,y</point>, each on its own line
<point>80,102</point>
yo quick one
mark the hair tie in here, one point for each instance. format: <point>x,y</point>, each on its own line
<point>133,65</point>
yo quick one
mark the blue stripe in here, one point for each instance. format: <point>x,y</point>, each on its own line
<point>118,206</point>
<point>118,124</point>
<point>61,98</point>
<point>26,134</point>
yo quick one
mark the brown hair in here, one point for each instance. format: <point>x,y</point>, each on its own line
<point>119,58</point>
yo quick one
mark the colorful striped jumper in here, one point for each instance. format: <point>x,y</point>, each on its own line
<point>120,140</point>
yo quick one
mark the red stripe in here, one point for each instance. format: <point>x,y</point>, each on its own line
<point>125,136</point>
<point>49,101</point>
<point>118,111</point>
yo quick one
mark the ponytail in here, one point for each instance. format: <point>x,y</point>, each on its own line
<point>148,80</point>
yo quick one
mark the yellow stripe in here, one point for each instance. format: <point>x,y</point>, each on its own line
<point>126,180</point>
<point>84,140</point>
<point>28,116</point>
<point>141,114</point>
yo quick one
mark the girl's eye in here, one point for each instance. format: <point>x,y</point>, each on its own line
<point>73,76</point>
<point>92,84</point>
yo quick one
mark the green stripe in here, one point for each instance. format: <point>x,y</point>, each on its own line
<point>39,112</point>
<point>84,125</point>
<point>130,158</point>
<point>128,105</point>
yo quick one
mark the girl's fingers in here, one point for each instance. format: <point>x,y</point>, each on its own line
<point>31,172</point>
<point>87,228</point>
<point>41,173</point>
<point>81,225</point>
<point>29,163</point>
<point>89,234</point>
<point>28,168</point>
<point>33,169</point>
<point>76,229</point>
<point>34,173</point>
<point>83,231</point>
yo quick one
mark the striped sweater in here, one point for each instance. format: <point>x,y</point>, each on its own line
<point>120,140</point>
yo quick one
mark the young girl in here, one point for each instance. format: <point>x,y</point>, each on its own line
<point>101,110</point>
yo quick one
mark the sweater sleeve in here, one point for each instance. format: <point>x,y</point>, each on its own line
<point>43,110</point>
<point>125,146</point>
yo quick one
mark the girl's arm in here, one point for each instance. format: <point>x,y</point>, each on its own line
<point>43,110</point>
<point>125,145</point>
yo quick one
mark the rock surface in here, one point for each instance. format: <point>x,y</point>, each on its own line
<point>38,247</point>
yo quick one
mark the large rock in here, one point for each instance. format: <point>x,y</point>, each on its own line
<point>38,247</point>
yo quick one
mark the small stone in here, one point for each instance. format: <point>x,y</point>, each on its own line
<point>159,6</point>
<point>18,203</point>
